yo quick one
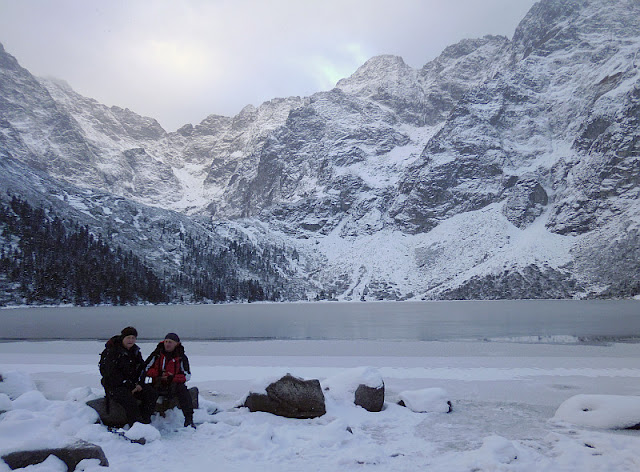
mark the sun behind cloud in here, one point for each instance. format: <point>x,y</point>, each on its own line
<point>181,60</point>
<point>328,71</point>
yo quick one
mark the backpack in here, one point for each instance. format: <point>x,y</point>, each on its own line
<point>102,364</point>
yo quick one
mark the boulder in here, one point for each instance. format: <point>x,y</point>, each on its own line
<point>290,397</point>
<point>71,455</point>
<point>370,398</point>
<point>427,400</point>
<point>362,386</point>
<point>116,416</point>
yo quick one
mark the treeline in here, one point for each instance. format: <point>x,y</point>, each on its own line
<point>215,274</point>
<point>47,260</point>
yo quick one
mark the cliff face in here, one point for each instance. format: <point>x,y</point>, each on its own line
<point>501,169</point>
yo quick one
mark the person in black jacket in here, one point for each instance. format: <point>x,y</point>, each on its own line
<point>122,369</point>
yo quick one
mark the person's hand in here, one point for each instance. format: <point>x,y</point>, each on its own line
<point>137,389</point>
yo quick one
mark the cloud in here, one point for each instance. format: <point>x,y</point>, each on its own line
<point>179,61</point>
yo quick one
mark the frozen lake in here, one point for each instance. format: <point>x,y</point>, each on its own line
<point>411,321</point>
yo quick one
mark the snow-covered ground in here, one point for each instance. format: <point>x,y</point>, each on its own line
<point>504,394</point>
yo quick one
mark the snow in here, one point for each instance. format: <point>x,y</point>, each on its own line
<point>516,407</point>
<point>427,400</point>
<point>487,243</point>
<point>140,431</point>
<point>342,387</point>
<point>601,411</point>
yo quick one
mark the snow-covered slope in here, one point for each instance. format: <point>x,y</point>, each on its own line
<point>501,169</point>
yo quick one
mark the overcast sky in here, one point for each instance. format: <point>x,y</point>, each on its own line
<point>179,61</point>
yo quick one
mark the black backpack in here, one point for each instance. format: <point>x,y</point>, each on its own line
<point>103,361</point>
<point>109,345</point>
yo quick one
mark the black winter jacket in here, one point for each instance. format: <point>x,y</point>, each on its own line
<point>122,367</point>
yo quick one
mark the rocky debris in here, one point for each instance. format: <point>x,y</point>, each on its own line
<point>71,455</point>
<point>530,282</point>
<point>291,397</point>
<point>116,416</point>
<point>526,201</point>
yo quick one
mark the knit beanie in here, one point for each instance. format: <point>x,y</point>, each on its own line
<point>129,331</point>
<point>173,337</point>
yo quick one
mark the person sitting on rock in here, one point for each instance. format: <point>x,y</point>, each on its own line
<point>168,367</point>
<point>122,366</point>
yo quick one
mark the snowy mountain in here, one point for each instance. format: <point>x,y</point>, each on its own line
<point>504,168</point>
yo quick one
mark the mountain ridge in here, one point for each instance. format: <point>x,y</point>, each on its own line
<point>498,170</point>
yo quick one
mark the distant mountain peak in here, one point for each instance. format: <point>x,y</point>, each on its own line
<point>375,72</point>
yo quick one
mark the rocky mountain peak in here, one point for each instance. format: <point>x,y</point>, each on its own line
<point>471,60</point>
<point>469,46</point>
<point>7,61</point>
<point>379,71</point>
<point>499,164</point>
<point>552,25</point>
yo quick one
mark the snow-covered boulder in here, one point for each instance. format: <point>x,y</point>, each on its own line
<point>71,455</point>
<point>141,431</point>
<point>498,450</point>
<point>14,383</point>
<point>427,400</point>
<point>291,397</point>
<point>601,411</point>
<point>363,386</point>
<point>5,402</point>
<point>83,394</point>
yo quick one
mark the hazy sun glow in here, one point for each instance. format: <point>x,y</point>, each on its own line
<point>182,60</point>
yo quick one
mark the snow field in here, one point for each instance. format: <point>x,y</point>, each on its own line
<point>506,399</point>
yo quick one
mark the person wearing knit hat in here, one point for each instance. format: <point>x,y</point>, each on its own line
<point>122,367</point>
<point>129,331</point>
<point>169,370</point>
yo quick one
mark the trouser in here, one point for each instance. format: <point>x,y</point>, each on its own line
<point>184,399</point>
<point>180,391</point>
<point>142,412</point>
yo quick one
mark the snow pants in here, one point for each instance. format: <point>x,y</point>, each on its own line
<point>139,406</point>
<point>180,391</point>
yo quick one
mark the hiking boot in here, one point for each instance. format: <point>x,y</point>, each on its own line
<point>188,421</point>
